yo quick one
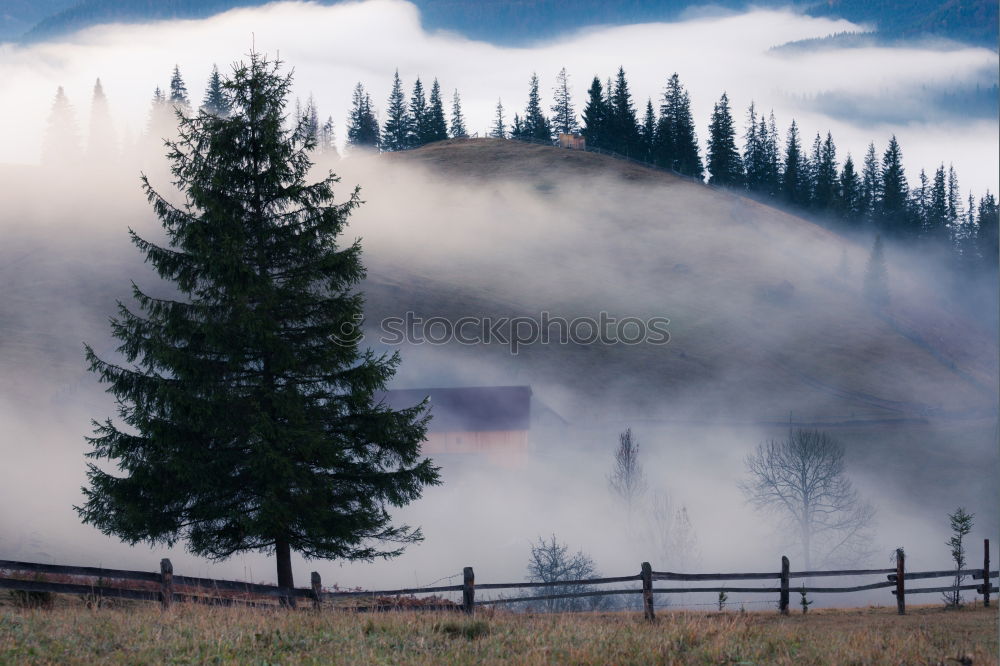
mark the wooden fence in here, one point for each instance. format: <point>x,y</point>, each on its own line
<point>166,587</point>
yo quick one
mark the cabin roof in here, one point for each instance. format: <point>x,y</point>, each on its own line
<point>469,408</point>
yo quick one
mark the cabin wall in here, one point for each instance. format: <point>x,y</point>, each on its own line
<point>503,447</point>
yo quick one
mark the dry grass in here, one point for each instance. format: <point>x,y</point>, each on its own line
<point>187,634</point>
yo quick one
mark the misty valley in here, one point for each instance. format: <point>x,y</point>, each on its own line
<point>528,375</point>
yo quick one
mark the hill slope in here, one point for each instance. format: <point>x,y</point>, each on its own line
<point>764,319</point>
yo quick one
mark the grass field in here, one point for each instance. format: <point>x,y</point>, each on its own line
<point>200,635</point>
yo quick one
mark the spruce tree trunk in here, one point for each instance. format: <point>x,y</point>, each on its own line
<point>283,552</point>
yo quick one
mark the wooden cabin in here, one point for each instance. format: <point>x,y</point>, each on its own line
<point>572,141</point>
<point>491,421</point>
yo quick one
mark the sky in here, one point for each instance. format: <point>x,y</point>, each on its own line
<point>333,47</point>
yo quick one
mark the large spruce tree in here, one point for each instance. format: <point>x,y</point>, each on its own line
<point>250,422</point>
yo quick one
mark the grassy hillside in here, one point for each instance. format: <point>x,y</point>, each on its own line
<point>234,636</point>
<point>763,318</point>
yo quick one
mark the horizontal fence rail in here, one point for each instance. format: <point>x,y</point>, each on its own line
<point>95,572</point>
<point>165,587</point>
<point>392,593</point>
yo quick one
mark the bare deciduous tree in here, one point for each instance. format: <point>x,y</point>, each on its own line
<point>551,561</point>
<point>803,479</point>
<point>675,542</point>
<point>627,478</point>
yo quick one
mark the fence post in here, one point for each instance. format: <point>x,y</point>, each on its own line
<point>986,572</point>
<point>166,583</point>
<point>900,578</point>
<point>317,588</point>
<point>468,590</point>
<point>783,600</point>
<point>647,591</point>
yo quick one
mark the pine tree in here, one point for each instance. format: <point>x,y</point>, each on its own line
<point>920,201</point>
<point>563,113</point>
<point>536,125</point>
<point>794,186</point>
<point>517,130</point>
<point>825,181</point>
<point>362,125</point>
<point>622,124</point>
<point>891,209</point>
<point>988,232</point>
<point>936,216</point>
<point>647,133</point>
<point>849,204</point>
<point>101,143</point>
<point>876,276</point>
<point>954,198</point>
<point>418,116</point>
<point>810,167</point>
<point>677,144</point>
<point>215,101</point>
<point>771,147</point>
<point>327,143</point>
<point>965,238</point>
<point>595,115</point>
<point>871,185</point>
<point>396,133</point>
<point>61,147</point>
<point>437,125</point>
<point>724,164</point>
<point>162,120</point>
<point>310,120</point>
<point>753,152</point>
<point>499,130</point>
<point>458,130</point>
<point>251,416</point>
<point>178,92</point>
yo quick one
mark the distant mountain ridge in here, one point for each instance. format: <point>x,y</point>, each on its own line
<point>511,23</point>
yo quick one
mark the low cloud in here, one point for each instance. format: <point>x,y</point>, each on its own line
<point>333,47</point>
